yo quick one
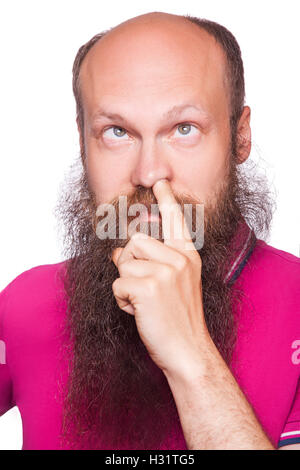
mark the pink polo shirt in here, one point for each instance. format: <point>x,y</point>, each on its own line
<point>266,361</point>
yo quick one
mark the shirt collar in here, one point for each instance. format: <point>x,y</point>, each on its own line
<point>242,247</point>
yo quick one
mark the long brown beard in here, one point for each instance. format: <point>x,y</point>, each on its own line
<point>116,397</point>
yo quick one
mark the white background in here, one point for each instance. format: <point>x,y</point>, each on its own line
<point>39,40</point>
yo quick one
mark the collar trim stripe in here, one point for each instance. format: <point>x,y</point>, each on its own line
<point>240,261</point>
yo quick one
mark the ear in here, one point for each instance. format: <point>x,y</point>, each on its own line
<point>244,135</point>
<point>80,137</point>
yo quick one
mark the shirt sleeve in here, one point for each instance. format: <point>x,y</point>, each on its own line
<point>6,388</point>
<point>291,431</point>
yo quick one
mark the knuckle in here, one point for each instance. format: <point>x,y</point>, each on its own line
<point>136,241</point>
<point>166,272</point>
<point>123,268</point>
<point>115,285</point>
<point>196,259</point>
<point>137,238</point>
<point>182,263</point>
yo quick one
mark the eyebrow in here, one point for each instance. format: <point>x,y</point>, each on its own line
<point>171,113</point>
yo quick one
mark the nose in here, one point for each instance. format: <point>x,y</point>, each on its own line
<point>151,165</point>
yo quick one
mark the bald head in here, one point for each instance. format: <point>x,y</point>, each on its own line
<point>234,71</point>
<point>152,18</point>
<point>154,22</point>
<point>151,49</point>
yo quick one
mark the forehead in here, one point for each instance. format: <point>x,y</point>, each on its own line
<point>148,64</point>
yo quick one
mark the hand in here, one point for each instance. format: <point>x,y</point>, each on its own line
<point>160,284</point>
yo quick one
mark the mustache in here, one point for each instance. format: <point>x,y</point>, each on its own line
<point>139,211</point>
<point>146,197</point>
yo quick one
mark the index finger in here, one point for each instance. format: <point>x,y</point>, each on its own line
<point>175,230</point>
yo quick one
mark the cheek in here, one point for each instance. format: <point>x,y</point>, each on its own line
<point>204,172</point>
<point>106,174</point>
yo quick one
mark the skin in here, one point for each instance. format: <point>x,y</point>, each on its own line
<point>140,70</point>
<point>175,70</point>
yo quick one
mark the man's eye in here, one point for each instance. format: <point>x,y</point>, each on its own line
<point>114,131</point>
<point>185,129</point>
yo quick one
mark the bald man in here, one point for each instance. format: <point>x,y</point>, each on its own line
<point>153,342</point>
